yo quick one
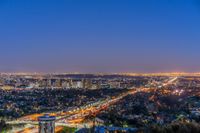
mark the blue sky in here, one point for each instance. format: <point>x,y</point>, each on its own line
<point>99,35</point>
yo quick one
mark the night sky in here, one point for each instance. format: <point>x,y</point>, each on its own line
<point>99,35</point>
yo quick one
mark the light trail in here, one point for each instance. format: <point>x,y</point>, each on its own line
<point>170,81</point>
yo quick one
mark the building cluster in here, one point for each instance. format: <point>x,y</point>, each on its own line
<point>79,82</point>
<point>17,103</point>
<point>157,106</point>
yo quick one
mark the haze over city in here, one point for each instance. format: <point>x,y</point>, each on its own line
<point>99,36</point>
<point>99,66</point>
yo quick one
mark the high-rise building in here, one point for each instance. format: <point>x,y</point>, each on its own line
<point>66,83</point>
<point>58,83</point>
<point>43,83</point>
<point>53,82</point>
<point>48,82</point>
<point>77,83</point>
<point>47,124</point>
<point>96,84</point>
<point>87,83</point>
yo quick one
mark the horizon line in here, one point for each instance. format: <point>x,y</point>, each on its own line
<point>103,73</point>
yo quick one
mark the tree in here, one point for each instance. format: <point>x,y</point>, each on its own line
<point>177,127</point>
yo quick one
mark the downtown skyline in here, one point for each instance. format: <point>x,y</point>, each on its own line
<point>99,36</point>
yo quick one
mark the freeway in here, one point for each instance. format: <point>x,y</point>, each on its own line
<point>72,118</point>
<point>93,110</point>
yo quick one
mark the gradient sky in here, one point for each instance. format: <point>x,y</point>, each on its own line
<point>99,35</point>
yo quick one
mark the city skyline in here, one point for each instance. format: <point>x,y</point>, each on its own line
<point>99,36</point>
